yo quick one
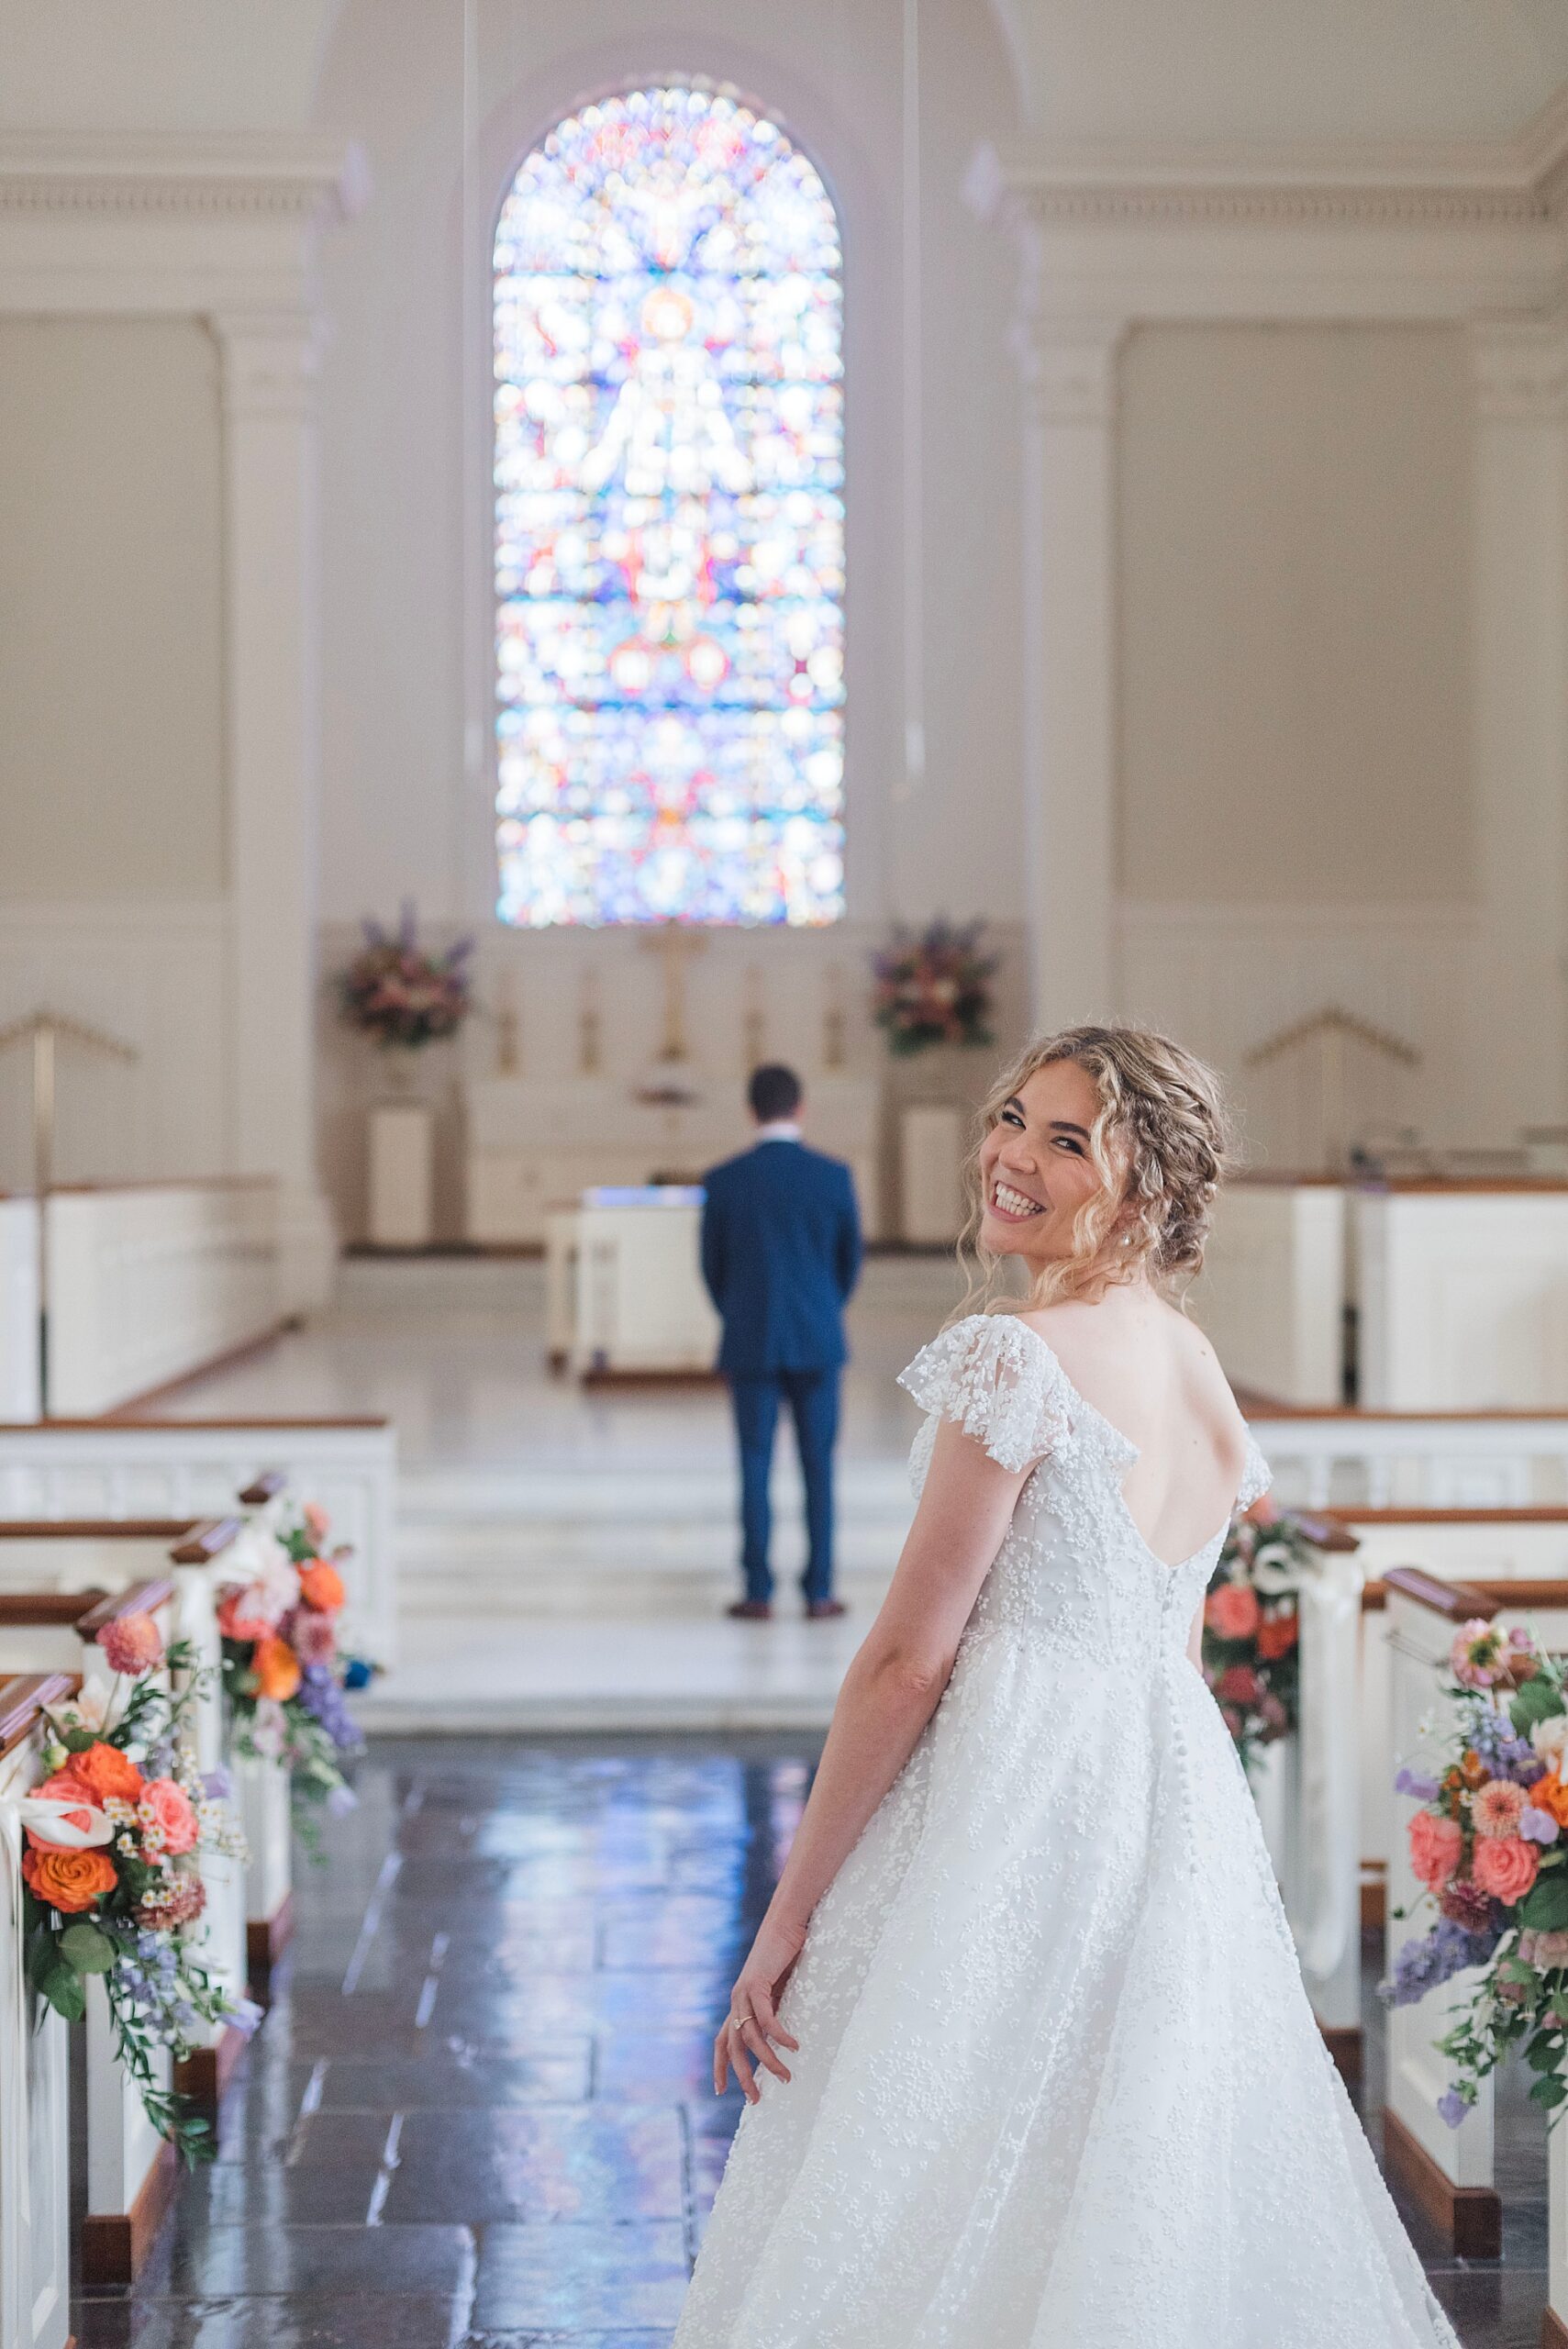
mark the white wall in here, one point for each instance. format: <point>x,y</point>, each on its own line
<point>111,701</point>
<point>1295,614</point>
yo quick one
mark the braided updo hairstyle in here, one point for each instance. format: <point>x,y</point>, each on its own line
<point>1161,1143</point>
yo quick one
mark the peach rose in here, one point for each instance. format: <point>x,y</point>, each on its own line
<point>107,1773</point>
<point>321,1587</point>
<point>276,1667</point>
<point>1505,1865</point>
<point>68,1881</point>
<point>1435,1846</point>
<point>1232,1612</point>
<point>167,1808</point>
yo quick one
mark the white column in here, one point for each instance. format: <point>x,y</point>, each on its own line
<point>268,379</point>
<point>1520,1044</point>
<point>1069,374</point>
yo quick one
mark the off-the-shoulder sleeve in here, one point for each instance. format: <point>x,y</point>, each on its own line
<point>999,1382</point>
<point>1256,1476</point>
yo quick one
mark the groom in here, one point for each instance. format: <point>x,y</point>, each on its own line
<point>781,1250</point>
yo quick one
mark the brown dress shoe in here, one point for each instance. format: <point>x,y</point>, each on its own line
<point>822,1610</point>
<point>751,1610</point>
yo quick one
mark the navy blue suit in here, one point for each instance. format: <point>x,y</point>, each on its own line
<point>780,1252</point>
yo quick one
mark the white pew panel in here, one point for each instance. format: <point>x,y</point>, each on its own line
<point>35,2092</point>
<point>1271,1297</point>
<point>185,1469</point>
<point>1352,1460</point>
<point>19,1394</point>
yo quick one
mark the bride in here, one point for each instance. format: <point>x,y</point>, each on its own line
<point>1027,2058</point>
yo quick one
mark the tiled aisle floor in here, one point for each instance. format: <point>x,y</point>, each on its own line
<point>478,2113</point>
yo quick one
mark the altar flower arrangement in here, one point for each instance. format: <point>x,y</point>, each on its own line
<point>933,986</point>
<point>110,1863</point>
<point>1251,1627</point>
<point>1488,1845</point>
<point>398,993</point>
<point>285,1670</point>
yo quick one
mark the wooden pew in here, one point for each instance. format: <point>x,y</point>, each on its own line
<point>1448,2172</point>
<point>66,1558</point>
<point>181,1470</point>
<point>1331,1457</point>
<point>131,2172</point>
<point>35,2085</point>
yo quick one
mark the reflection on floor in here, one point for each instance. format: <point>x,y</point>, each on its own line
<point>565,1556</point>
<point>479,2112</point>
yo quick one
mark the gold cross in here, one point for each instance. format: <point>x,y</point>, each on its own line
<point>673,941</point>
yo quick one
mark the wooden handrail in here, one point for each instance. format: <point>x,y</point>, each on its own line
<point>116,1423</point>
<point>62,1611</point>
<point>1324,1530</point>
<point>135,1599</point>
<point>97,1529</point>
<point>263,1488</point>
<point>167,1183</point>
<point>1457,1601</point>
<point>1258,1412</point>
<point>24,1698</point>
<point>209,1539</point>
<point>1348,1513</point>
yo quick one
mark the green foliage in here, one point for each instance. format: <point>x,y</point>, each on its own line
<point>1544,1908</point>
<point>1536,1701</point>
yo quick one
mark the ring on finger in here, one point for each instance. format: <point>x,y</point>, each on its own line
<point>739,2022</point>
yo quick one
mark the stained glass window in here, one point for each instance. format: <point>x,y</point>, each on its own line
<point>669,522</point>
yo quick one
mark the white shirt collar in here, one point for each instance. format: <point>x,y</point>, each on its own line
<point>779,1130</point>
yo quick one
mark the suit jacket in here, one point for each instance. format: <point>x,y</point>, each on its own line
<point>781,1251</point>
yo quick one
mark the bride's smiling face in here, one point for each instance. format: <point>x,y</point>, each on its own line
<point>1035,1168</point>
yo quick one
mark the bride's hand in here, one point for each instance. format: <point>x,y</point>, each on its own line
<point>751,2031</point>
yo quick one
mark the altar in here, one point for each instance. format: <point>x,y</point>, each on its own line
<point>532,1143</point>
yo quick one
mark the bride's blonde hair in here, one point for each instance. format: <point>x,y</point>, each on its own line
<point>1160,1144</point>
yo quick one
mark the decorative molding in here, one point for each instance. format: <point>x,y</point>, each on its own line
<point>281,179</point>
<point>1473,183</point>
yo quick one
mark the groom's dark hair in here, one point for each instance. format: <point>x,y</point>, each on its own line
<point>773,1092</point>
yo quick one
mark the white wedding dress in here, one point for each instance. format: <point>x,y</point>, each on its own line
<point>1059,2084</point>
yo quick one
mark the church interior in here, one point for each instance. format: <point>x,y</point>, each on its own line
<point>552,556</point>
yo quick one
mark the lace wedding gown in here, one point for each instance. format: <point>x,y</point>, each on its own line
<point>1059,2085</point>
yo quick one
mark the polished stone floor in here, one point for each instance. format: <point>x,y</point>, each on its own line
<point>479,2110</point>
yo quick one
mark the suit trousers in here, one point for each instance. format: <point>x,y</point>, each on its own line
<point>813,1399</point>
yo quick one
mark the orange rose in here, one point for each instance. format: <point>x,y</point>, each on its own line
<point>1551,1794</point>
<point>321,1587</point>
<point>70,1881</point>
<point>276,1667</point>
<point>107,1773</point>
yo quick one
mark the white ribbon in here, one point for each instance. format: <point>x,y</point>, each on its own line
<point>18,2139</point>
<point>53,1819</point>
<point>1326,1910</point>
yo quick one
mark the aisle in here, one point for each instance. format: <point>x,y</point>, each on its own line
<point>478,2113</point>
<point>565,1556</point>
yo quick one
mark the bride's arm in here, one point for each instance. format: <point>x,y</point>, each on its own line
<point>889,1694</point>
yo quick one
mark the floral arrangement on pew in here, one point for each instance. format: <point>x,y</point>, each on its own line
<point>933,986</point>
<point>397,992</point>
<point>111,1868</point>
<point>1251,1627</point>
<point>1488,1844</point>
<point>285,1672</point>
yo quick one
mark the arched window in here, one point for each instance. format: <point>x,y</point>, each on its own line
<point>669,522</point>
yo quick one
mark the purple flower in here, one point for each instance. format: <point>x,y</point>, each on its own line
<point>1417,1785</point>
<point>1453,2107</point>
<point>340,1800</point>
<point>244,2015</point>
<point>217,1785</point>
<point>1538,1826</point>
<point>1446,1950</point>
